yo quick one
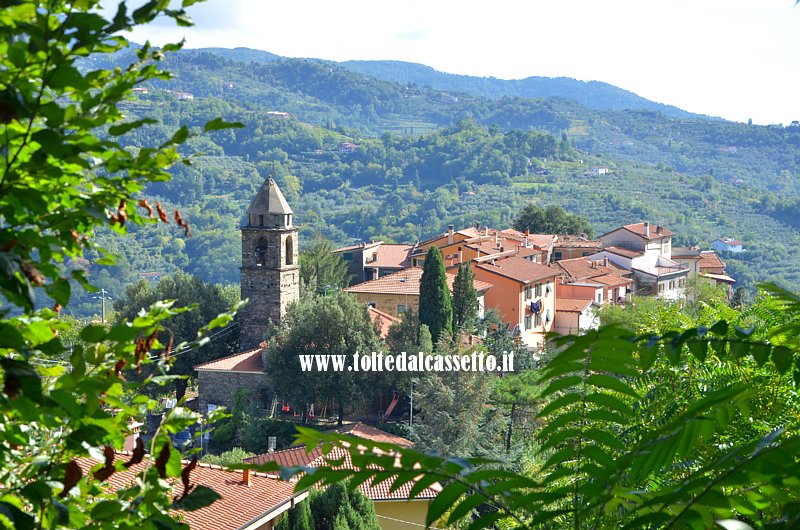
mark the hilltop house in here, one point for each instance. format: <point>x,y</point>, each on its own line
<point>646,251</point>
<point>727,244</point>
<point>523,293</point>
<point>397,292</point>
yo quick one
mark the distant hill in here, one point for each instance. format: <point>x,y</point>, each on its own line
<point>591,94</point>
<point>244,55</point>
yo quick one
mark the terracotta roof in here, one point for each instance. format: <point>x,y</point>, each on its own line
<point>383,321</point>
<point>239,504</point>
<point>576,242</point>
<point>518,269</point>
<point>489,248</point>
<point>368,432</point>
<point>542,240</point>
<point>292,457</point>
<point>376,492</point>
<point>611,280</point>
<point>391,256</point>
<point>730,241</point>
<point>685,253</point>
<point>405,281</point>
<point>572,305</point>
<point>582,268</point>
<point>710,260</point>
<point>246,361</point>
<point>624,252</point>
<point>639,230</point>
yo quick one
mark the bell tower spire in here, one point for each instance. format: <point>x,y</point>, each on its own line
<point>270,273</point>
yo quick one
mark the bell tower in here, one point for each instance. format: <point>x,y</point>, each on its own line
<point>270,273</point>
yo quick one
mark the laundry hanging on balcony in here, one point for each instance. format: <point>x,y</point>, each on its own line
<point>536,307</point>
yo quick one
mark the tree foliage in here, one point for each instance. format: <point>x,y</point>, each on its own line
<point>335,508</point>
<point>65,175</point>
<point>465,300</point>
<point>435,303</point>
<point>333,325</point>
<point>320,268</point>
<point>552,220</point>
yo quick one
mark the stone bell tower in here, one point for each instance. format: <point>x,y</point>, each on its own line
<point>270,273</point>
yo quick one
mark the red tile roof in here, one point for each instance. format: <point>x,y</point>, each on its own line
<point>572,305</point>
<point>518,269</point>
<point>405,281</point>
<point>582,268</point>
<point>239,504</point>
<point>639,230</point>
<point>391,256</point>
<point>359,246</point>
<point>376,492</point>
<point>711,262</point>
<point>383,321</point>
<point>292,457</point>
<point>624,252</point>
<point>612,280</point>
<point>368,432</point>
<point>246,361</point>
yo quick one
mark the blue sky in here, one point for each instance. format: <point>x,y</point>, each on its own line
<point>737,59</point>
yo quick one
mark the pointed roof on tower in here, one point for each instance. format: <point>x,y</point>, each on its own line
<point>269,200</point>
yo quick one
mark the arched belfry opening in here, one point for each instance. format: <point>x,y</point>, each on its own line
<point>262,251</point>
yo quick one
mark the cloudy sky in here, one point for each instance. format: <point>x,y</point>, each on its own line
<point>738,59</point>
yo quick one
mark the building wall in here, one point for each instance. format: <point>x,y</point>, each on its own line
<point>567,322</point>
<point>585,292</point>
<point>219,388</point>
<point>388,302</point>
<point>391,513</point>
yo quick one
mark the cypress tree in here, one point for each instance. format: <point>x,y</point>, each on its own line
<point>435,304</point>
<point>465,300</point>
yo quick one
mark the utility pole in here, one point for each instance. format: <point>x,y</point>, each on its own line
<point>103,297</point>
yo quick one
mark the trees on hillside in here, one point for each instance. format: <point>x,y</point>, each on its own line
<point>65,176</point>
<point>209,300</point>
<point>336,324</point>
<point>320,268</point>
<point>435,303</point>
<point>552,220</point>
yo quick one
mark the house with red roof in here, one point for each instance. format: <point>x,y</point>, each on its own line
<point>370,261</point>
<point>727,244</point>
<point>220,379</point>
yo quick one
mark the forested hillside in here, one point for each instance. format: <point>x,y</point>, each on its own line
<point>360,158</point>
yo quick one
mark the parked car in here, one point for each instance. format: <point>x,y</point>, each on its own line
<point>182,440</point>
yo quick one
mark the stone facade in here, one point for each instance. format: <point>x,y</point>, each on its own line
<point>270,273</point>
<point>220,387</point>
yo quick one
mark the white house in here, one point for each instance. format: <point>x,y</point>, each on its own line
<point>727,244</point>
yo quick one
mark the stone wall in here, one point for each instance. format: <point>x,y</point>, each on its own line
<point>219,388</point>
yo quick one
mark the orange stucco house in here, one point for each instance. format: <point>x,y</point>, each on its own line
<point>523,294</point>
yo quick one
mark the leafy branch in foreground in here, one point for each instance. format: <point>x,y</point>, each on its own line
<point>688,430</point>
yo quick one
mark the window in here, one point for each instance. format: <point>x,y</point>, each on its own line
<point>401,309</point>
<point>414,262</point>
<point>538,289</point>
<point>528,322</point>
<point>682,282</point>
<point>347,256</point>
<point>557,255</point>
<point>537,319</point>
<point>527,292</point>
<point>547,316</point>
<point>289,251</point>
<point>584,254</point>
<point>547,288</point>
<point>600,297</point>
<point>672,284</point>
<point>660,287</point>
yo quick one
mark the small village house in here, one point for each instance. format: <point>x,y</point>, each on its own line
<point>727,244</point>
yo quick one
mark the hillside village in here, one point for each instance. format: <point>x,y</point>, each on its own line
<point>537,284</point>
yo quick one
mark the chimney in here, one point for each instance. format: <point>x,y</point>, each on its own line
<point>605,261</point>
<point>478,227</point>
<point>646,229</point>
<point>450,232</point>
<point>659,229</point>
<point>460,256</point>
<point>496,240</point>
<point>246,477</point>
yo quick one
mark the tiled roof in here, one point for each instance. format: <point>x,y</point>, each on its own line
<point>405,281</point>
<point>518,269</point>
<point>612,280</point>
<point>239,504</point>
<point>724,278</point>
<point>489,247</point>
<point>376,492</point>
<point>391,256</point>
<point>246,361</point>
<point>368,432</point>
<point>383,321</point>
<point>685,253</point>
<point>639,230</point>
<point>711,260</point>
<point>582,268</point>
<point>292,457</point>
<point>730,241</point>
<point>576,242</point>
<point>359,246</point>
<point>542,240</point>
<point>624,252</point>
<point>572,305</point>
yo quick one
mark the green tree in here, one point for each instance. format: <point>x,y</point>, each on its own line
<point>435,304</point>
<point>337,507</point>
<point>209,300</point>
<point>552,220</point>
<point>465,300</point>
<point>65,175</point>
<point>321,269</point>
<point>323,325</point>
